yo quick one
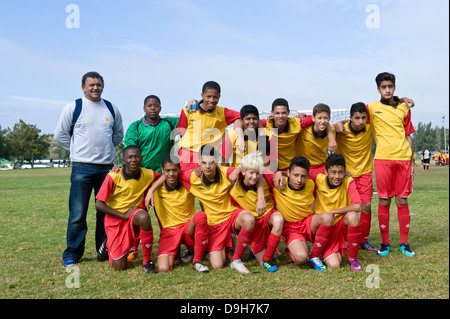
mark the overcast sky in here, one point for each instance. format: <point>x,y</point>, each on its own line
<point>306,51</point>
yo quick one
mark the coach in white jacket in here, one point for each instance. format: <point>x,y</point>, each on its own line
<point>89,128</point>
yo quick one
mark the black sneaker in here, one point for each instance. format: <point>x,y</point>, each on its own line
<point>150,268</point>
<point>102,253</point>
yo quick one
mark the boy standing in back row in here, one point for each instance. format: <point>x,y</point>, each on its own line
<point>394,164</point>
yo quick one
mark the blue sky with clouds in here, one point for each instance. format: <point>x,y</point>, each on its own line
<point>303,50</point>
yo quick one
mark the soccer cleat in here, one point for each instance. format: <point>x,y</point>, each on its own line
<point>367,246</point>
<point>239,266</point>
<point>384,249</point>
<point>188,255</point>
<point>354,264</point>
<point>200,266</point>
<point>132,255</point>
<point>150,268</point>
<point>102,253</point>
<point>268,264</point>
<point>69,263</point>
<point>406,250</point>
<point>317,264</point>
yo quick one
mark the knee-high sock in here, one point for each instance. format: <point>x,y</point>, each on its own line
<point>383,220</point>
<point>404,220</point>
<point>364,221</point>
<point>200,236</point>
<point>272,244</point>
<point>147,244</point>
<point>353,238</point>
<point>244,238</point>
<point>320,240</point>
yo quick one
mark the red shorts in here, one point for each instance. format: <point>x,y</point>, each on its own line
<point>300,230</point>
<point>364,185</point>
<point>219,236</point>
<point>261,233</point>
<point>393,178</point>
<point>336,243</point>
<point>188,159</point>
<point>171,239</point>
<point>121,234</point>
<point>314,170</point>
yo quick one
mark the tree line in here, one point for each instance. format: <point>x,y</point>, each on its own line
<point>24,143</point>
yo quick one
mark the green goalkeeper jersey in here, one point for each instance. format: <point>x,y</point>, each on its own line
<point>154,141</point>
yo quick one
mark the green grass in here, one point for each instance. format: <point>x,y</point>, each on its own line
<point>33,218</point>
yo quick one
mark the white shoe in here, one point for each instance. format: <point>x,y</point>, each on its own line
<point>200,266</point>
<point>239,266</point>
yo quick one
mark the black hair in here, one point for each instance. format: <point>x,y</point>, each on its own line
<point>359,107</point>
<point>249,109</point>
<point>299,161</point>
<point>280,102</point>
<point>335,159</point>
<point>211,85</point>
<point>170,159</point>
<point>207,150</point>
<point>91,74</point>
<point>385,76</point>
<point>321,108</point>
<point>152,97</point>
<point>130,147</point>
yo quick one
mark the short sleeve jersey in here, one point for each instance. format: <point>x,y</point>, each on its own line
<point>121,192</point>
<point>286,139</point>
<point>214,195</point>
<point>204,127</point>
<point>313,146</point>
<point>229,150</point>
<point>329,198</point>
<point>390,125</point>
<point>247,196</point>
<point>173,206</point>
<point>356,147</point>
<point>294,205</point>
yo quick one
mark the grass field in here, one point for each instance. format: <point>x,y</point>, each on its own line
<point>33,218</point>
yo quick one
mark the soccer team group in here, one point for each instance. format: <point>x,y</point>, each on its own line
<point>265,181</point>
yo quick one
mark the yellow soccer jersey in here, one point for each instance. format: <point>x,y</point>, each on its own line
<point>173,207</point>
<point>390,125</point>
<point>229,149</point>
<point>313,146</point>
<point>294,205</point>
<point>246,197</point>
<point>214,195</point>
<point>357,149</point>
<point>203,127</point>
<point>120,192</point>
<point>286,140</point>
<point>331,198</point>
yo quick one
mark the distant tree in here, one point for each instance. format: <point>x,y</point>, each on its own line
<point>56,151</point>
<point>4,144</point>
<point>425,136</point>
<point>26,144</point>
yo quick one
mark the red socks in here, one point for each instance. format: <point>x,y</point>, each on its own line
<point>321,240</point>
<point>353,239</point>
<point>244,238</point>
<point>364,221</point>
<point>147,244</point>
<point>403,220</point>
<point>272,244</point>
<point>383,221</point>
<point>200,236</point>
